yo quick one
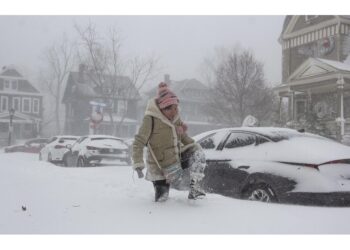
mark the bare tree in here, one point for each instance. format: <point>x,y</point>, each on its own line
<point>238,88</point>
<point>114,77</point>
<point>59,61</point>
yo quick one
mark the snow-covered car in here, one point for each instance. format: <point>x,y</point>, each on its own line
<point>92,149</point>
<point>54,151</point>
<point>276,165</point>
<point>29,146</point>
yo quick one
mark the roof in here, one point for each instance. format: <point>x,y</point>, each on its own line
<point>286,22</point>
<point>103,136</point>
<point>291,20</point>
<point>336,64</point>
<point>84,85</point>
<point>10,71</point>
<point>23,84</point>
<point>271,132</point>
<point>184,89</point>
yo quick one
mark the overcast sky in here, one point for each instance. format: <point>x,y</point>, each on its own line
<point>181,42</point>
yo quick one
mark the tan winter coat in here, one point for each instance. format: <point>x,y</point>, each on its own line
<point>164,141</point>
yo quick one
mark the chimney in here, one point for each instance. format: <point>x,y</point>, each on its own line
<point>167,78</point>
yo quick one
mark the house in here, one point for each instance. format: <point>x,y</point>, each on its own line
<point>316,70</point>
<point>117,95</point>
<point>193,96</point>
<point>18,94</point>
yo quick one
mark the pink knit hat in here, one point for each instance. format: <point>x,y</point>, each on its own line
<point>165,96</point>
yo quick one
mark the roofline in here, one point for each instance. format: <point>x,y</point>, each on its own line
<point>286,34</point>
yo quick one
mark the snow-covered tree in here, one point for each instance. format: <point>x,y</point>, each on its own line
<point>58,60</point>
<point>103,58</point>
<point>238,88</point>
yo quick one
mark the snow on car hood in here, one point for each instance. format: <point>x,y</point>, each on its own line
<point>108,143</point>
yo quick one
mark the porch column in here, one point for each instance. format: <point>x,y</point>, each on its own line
<point>291,106</point>
<point>280,108</point>
<point>309,103</point>
<point>340,119</point>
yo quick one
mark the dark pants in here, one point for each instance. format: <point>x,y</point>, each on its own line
<point>161,189</point>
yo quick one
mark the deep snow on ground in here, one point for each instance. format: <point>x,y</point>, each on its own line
<point>110,200</point>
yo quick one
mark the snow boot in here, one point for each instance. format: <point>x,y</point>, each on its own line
<point>161,189</point>
<point>195,192</point>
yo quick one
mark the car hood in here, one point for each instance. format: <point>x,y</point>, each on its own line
<point>294,150</point>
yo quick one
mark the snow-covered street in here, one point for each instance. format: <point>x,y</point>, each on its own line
<point>41,198</point>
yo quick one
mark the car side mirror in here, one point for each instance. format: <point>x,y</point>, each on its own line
<point>69,146</point>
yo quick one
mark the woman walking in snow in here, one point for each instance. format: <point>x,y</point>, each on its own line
<point>164,135</point>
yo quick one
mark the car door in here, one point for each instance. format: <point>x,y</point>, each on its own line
<point>210,145</point>
<point>235,169</point>
<point>77,147</point>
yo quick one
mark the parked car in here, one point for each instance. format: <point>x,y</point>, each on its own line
<point>29,146</point>
<point>276,165</point>
<point>54,151</point>
<point>92,149</point>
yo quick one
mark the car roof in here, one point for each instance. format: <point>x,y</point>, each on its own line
<point>273,133</point>
<point>103,136</point>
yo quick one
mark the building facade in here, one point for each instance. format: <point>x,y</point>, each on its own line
<point>316,70</point>
<point>117,95</point>
<point>25,101</point>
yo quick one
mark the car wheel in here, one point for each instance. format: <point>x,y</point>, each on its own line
<point>80,162</point>
<point>260,192</point>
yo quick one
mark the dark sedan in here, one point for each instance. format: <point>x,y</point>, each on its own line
<point>276,165</point>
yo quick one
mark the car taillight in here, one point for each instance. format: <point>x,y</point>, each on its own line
<point>59,146</point>
<point>311,166</point>
<point>91,148</point>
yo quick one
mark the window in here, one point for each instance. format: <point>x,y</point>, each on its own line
<point>208,143</point>
<point>36,106</point>
<point>238,139</point>
<point>121,107</point>
<point>14,84</point>
<point>310,17</point>
<point>52,139</point>
<point>7,84</point>
<point>26,105</point>
<point>260,139</point>
<point>212,141</point>
<point>342,28</point>
<point>4,103</point>
<point>81,139</point>
<point>16,103</point>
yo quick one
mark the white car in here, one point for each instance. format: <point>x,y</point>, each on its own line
<point>95,148</point>
<point>56,148</point>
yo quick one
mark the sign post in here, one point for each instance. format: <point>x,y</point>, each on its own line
<point>96,116</point>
